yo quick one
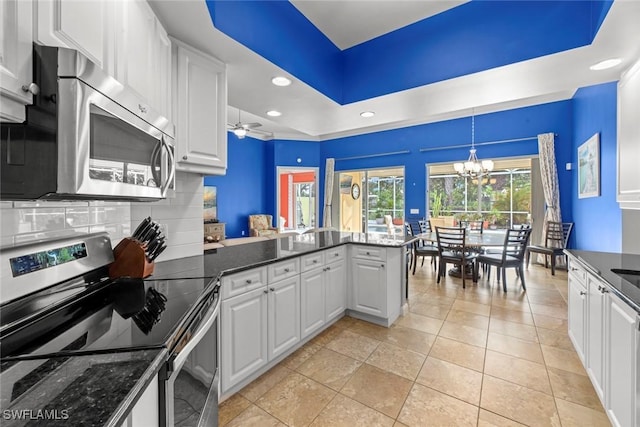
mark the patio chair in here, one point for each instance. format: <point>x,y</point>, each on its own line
<point>556,240</point>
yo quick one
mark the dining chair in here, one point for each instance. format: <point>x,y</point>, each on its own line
<point>555,242</point>
<point>512,256</point>
<point>452,249</point>
<point>421,248</point>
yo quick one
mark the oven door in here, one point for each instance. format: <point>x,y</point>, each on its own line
<point>191,392</point>
<point>105,150</point>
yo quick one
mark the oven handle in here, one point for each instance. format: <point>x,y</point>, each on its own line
<point>181,358</point>
<point>171,164</point>
<point>210,409</point>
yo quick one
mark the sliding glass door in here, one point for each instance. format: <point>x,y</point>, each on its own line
<point>297,200</point>
<point>370,201</point>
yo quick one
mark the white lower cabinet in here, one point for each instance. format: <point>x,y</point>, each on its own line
<point>243,328</point>
<point>146,411</point>
<point>621,366</point>
<point>324,289</point>
<point>369,287</point>
<point>284,316</point>
<point>604,332</point>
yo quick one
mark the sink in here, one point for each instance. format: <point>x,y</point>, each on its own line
<point>631,276</point>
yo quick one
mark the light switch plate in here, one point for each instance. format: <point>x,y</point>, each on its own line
<point>414,211</point>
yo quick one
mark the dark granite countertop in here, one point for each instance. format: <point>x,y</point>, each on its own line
<point>92,390</point>
<point>601,263</point>
<point>231,259</point>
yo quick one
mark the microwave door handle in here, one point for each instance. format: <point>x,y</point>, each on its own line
<point>154,160</point>
<point>172,169</point>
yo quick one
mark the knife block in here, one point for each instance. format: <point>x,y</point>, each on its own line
<point>130,260</point>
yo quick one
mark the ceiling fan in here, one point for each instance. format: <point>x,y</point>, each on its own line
<point>241,129</point>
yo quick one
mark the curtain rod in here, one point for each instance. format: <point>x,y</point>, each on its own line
<point>503,141</point>
<point>392,153</point>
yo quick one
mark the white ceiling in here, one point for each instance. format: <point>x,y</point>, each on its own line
<point>351,22</point>
<point>309,115</point>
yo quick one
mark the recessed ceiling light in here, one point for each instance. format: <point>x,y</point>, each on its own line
<point>607,63</point>
<point>281,81</point>
<point>367,114</point>
<point>274,113</point>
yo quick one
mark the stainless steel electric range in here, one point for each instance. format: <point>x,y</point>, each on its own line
<point>74,343</point>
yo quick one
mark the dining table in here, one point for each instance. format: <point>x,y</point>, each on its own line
<point>489,239</point>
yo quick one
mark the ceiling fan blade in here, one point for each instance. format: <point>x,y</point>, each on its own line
<point>250,125</point>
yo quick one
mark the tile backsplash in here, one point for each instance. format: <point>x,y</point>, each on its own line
<point>181,216</point>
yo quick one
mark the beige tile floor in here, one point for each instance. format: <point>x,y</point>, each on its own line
<point>473,356</point>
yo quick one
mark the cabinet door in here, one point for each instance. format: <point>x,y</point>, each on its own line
<point>335,289</point>
<point>595,328</point>
<point>81,25</point>
<point>369,287</point>
<point>620,362</point>
<point>15,58</point>
<point>577,317</point>
<point>628,136</point>
<point>243,327</point>
<point>284,315</point>
<point>200,111</point>
<point>312,301</point>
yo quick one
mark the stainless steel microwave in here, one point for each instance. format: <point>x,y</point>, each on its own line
<point>86,136</point>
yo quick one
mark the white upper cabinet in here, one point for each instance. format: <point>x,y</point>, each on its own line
<point>200,111</point>
<point>86,26</point>
<point>15,59</point>
<point>143,52</point>
<point>629,138</point>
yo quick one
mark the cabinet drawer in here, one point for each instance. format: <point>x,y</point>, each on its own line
<point>334,254</point>
<point>239,283</point>
<point>283,270</point>
<point>370,252</point>
<point>577,270</point>
<point>311,261</point>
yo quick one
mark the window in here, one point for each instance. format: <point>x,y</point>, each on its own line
<point>502,199</point>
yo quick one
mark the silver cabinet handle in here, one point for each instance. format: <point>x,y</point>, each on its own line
<point>368,253</point>
<point>381,265</point>
<point>248,281</point>
<point>265,291</point>
<point>583,293</point>
<point>336,254</point>
<point>142,108</point>
<point>272,289</point>
<point>605,290</point>
<point>574,269</point>
<point>286,270</point>
<point>184,157</point>
<point>315,261</point>
<point>31,88</point>
<point>328,268</point>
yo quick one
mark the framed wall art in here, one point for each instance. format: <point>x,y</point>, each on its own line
<point>589,168</point>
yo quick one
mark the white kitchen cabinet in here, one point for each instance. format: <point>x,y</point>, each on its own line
<point>200,111</point>
<point>143,50</point>
<point>605,337</point>
<point>86,26</point>
<point>146,410</point>
<point>243,329</point>
<point>369,287</point>
<point>596,303</point>
<point>621,369</point>
<point>577,315</point>
<point>335,289</point>
<point>312,296</point>
<point>284,316</point>
<point>628,136</point>
<point>15,59</point>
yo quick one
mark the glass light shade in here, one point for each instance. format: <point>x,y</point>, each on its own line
<point>487,165</point>
<point>240,132</point>
<point>459,167</point>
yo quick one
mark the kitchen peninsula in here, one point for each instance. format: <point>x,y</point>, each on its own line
<point>278,294</point>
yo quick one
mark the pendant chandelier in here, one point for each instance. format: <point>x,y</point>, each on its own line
<point>473,168</point>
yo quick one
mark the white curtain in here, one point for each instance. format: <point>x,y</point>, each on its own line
<point>328,192</point>
<point>550,185</point>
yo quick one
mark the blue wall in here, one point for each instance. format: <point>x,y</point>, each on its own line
<point>598,220</point>
<point>243,190</point>
<point>250,184</point>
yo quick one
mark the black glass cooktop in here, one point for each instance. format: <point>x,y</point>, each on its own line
<point>106,316</point>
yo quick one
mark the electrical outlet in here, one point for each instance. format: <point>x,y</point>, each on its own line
<point>414,211</point>
<point>243,232</point>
